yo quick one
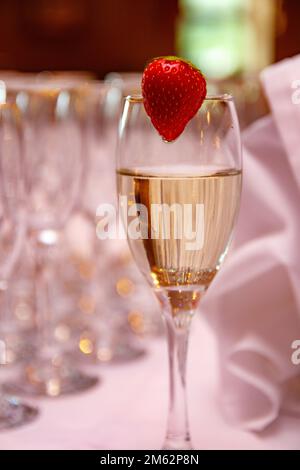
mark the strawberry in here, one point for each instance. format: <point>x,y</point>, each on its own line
<point>173,91</point>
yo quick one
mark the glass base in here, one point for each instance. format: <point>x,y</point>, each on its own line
<point>14,348</point>
<point>118,354</point>
<point>99,345</point>
<point>44,379</point>
<point>13,413</point>
<point>15,354</point>
<point>174,444</point>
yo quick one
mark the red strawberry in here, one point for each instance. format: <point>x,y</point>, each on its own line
<point>173,91</point>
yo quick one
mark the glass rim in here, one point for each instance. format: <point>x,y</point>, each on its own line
<point>40,88</point>
<point>138,98</point>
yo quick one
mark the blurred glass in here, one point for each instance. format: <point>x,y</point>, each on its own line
<point>121,84</point>
<point>12,233</point>
<point>101,284</point>
<point>248,95</point>
<point>53,151</point>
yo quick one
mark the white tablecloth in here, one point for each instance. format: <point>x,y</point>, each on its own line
<point>128,409</point>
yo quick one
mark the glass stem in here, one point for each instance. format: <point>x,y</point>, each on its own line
<point>44,318</point>
<point>178,435</point>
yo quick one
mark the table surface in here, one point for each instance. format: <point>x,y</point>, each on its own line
<point>128,409</point>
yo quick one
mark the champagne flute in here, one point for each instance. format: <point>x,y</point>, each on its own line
<point>108,336</point>
<point>53,149</point>
<point>12,234</point>
<point>179,203</point>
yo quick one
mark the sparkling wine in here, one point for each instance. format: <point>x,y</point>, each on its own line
<point>167,257</point>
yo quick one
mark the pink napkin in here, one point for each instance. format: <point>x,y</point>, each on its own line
<point>254,303</point>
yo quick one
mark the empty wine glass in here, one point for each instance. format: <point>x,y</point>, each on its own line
<point>180,203</point>
<point>103,336</point>
<point>53,151</point>
<point>12,233</point>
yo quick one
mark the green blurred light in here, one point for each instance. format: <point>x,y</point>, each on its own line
<point>213,34</point>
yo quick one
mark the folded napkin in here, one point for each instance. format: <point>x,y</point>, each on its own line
<point>254,303</point>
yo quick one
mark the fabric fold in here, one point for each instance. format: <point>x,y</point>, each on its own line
<point>254,302</point>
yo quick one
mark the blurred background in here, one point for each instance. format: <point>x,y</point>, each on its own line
<point>101,36</point>
<point>229,40</point>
